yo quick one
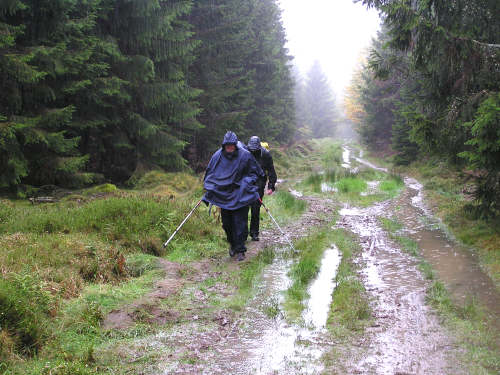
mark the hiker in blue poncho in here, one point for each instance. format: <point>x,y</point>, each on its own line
<point>231,184</point>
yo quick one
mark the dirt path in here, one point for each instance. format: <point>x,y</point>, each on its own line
<point>204,340</point>
<point>406,337</point>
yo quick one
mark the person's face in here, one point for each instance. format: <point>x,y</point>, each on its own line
<point>230,148</point>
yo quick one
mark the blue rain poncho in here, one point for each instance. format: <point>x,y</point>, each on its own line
<point>231,178</point>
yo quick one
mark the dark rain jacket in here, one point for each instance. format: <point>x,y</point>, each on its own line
<point>231,179</point>
<point>265,161</point>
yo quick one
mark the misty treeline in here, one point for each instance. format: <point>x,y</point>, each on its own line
<point>315,105</point>
<point>95,90</point>
<point>430,88</point>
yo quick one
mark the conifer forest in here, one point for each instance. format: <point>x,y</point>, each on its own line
<point>102,89</point>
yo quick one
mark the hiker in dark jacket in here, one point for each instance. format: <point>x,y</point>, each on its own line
<point>265,160</point>
<point>231,184</point>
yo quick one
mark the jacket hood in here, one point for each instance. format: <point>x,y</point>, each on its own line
<point>230,139</point>
<point>254,143</point>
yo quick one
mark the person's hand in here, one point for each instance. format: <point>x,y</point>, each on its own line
<point>269,192</point>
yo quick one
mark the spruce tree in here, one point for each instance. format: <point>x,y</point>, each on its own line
<point>36,146</point>
<point>157,51</point>
<point>320,103</point>
<point>273,115</point>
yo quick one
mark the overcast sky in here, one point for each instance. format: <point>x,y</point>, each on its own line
<point>331,31</point>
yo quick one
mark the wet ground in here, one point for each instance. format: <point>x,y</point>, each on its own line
<point>454,264</point>
<point>265,342</point>
<point>406,336</point>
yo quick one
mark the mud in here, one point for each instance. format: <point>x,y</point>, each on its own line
<point>204,340</point>
<point>265,343</point>
<point>128,315</point>
<point>406,336</point>
<point>455,265</point>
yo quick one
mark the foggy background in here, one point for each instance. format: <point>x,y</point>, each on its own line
<point>335,32</point>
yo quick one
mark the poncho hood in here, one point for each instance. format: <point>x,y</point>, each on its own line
<point>231,182</point>
<point>230,139</point>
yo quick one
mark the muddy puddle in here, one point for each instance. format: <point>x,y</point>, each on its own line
<point>455,265</point>
<point>406,336</point>
<point>266,342</point>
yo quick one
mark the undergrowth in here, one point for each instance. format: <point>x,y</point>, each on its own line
<point>283,206</point>
<point>65,265</point>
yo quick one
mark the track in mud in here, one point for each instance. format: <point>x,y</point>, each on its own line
<point>267,344</point>
<point>405,337</point>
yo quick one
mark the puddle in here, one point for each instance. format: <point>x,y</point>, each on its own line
<point>372,188</point>
<point>373,166</point>
<point>405,337</point>
<point>270,345</point>
<point>346,158</point>
<point>327,188</point>
<point>295,193</point>
<point>321,290</point>
<point>456,266</point>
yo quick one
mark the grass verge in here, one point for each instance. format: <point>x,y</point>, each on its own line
<point>350,311</point>
<point>283,206</point>
<point>248,276</point>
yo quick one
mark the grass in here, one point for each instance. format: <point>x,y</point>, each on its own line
<point>349,311</point>
<point>283,206</point>
<point>97,250</point>
<point>91,252</point>
<point>351,185</point>
<point>248,276</point>
<point>67,335</point>
<point>467,322</point>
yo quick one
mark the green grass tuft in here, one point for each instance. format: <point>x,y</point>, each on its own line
<point>304,270</point>
<point>351,185</point>
<point>248,276</point>
<point>349,311</point>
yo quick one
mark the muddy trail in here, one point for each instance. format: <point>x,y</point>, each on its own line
<point>405,335</point>
<point>264,342</point>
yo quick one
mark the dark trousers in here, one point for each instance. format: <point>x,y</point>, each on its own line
<point>235,224</point>
<point>255,219</point>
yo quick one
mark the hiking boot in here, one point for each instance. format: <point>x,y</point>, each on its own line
<point>241,256</point>
<point>255,238</point>
<point>231,252</point>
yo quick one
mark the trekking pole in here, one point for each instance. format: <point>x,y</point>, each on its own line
<point>184,221</point>
<point>275,222</point>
